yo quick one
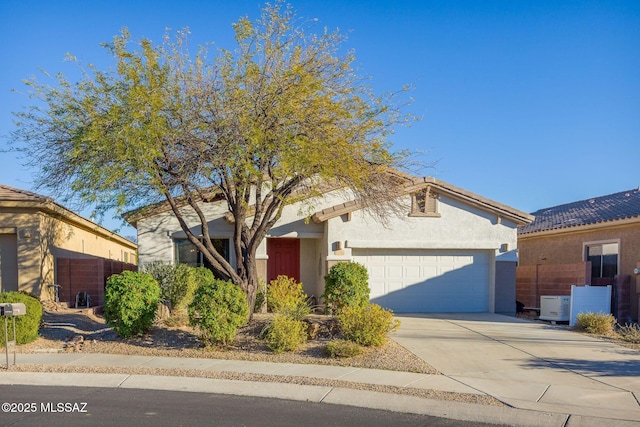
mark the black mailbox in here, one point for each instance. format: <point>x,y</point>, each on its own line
<point>13,309</point>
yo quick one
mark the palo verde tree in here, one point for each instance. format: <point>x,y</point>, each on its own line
<point>282,117</point>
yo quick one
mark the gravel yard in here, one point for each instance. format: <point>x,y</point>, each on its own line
<point>67,330</point>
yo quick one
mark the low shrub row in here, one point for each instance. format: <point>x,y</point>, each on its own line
<point>217,308</point>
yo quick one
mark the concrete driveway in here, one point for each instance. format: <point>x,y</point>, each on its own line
<point>526,364</point>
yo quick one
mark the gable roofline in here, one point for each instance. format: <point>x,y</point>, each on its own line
<point>16,198</point>
<point>135,215</point>
<point>610,210</point>
<point>440,187</point>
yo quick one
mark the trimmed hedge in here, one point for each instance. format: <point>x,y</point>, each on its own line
<point>346,285</point>
<point>130,302</point>
<point>218,309</point>
<point>27,326</point>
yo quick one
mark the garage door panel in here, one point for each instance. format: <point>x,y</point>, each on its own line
<point>412,272</point>
<point>427,281</point>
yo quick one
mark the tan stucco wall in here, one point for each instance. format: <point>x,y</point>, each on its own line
<point>568,248</point>
<point>43,236</point>
<point>30,265</point>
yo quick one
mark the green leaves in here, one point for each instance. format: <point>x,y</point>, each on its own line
<point>218,309</point>
<point>281,114</point>
<point>130,302</point>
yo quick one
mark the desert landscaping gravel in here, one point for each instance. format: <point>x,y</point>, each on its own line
<point>67,330</point>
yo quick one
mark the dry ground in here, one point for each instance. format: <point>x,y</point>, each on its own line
<point>69,330</point>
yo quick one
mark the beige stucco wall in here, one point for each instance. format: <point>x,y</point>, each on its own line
<point>43,235</point>
<point>460,226</point>
<point>569,247</point>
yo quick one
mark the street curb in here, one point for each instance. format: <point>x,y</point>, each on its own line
<point>318,394</point>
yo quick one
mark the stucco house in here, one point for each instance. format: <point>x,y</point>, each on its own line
<point>602,232</point>
<point>450,251</point>
<point>43,243</point>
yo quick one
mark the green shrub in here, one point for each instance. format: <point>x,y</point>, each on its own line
<point>347,284</point>
<point>130,302</point>
<point>186,281</point>
<point>630,333</point>
<point>178,281</point>
<point>217,310</point>
<point>596,323</point>
<point>285,296</point>
<point>285,333</point>
<point>343,348</point>
<point>163,273</point>
<point>27,325</point>
<point>368,325</point>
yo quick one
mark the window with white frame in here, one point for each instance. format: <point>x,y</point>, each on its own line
<point>604,259</point>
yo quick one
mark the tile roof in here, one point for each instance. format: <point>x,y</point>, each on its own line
<point>15,194</point>
<point>612,207</point>
<point>438,186</point>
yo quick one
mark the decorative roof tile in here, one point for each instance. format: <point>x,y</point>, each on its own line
<point>612,207</point>
<point>16,194</point>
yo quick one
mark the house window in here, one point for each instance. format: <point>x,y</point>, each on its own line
<point>604,259</point>
<point>424,203</point>
<point>187,253</point>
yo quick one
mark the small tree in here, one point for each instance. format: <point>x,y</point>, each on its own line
<point>282,116</point>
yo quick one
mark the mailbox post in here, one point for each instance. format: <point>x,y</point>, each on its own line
<point>11,310</point>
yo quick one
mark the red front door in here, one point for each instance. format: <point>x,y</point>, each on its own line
<point>284,258</point>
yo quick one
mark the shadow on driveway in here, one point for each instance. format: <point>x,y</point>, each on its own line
<point>591,367</point>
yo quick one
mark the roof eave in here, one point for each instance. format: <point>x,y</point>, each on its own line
<point>581,228</point>
<point>500,210</point>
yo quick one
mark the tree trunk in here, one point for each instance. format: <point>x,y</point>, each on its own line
<point>252,284</point>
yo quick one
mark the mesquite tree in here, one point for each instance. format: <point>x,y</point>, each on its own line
<point>281,117</point>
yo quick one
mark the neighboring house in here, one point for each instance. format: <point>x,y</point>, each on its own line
<point>451,251</point>
<point>604,231</point>
<point>42,243</point>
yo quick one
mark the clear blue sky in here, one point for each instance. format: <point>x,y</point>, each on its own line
<point>530,103</point>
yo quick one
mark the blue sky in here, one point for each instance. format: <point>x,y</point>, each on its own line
<point>530,103</point>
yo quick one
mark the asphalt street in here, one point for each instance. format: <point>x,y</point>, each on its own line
<point>80,406</point>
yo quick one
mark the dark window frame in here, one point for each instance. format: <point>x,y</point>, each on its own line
<point>222,244</point>
<point>603,265</point>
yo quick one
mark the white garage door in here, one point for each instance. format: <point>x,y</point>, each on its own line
<point>425,281</point>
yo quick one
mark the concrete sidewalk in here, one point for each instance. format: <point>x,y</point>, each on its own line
<point>550,377</point>
<point>320,394</point>
<point>528,365</point>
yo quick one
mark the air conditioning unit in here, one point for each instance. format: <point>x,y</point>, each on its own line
<point>555,308</point>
